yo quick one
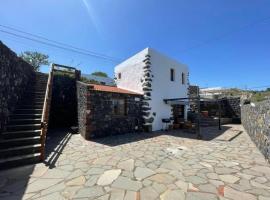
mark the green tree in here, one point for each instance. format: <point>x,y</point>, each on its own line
<point>98,73</point>
<point>35,59</point>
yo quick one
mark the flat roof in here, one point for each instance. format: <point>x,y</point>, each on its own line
<point>106,88</point>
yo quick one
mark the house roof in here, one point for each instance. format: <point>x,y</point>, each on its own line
<point>106,88</point>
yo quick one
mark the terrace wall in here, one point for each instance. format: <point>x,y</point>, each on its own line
<point>15,75</point>
<point>95,116</point>
<point>256,121</point>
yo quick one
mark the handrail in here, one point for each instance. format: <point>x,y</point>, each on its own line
<point>45,113</point>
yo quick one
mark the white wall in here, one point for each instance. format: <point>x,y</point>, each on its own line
<point>162,86</point>
<point>131,72</point>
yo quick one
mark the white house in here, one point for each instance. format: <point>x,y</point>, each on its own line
<point>157,77</point>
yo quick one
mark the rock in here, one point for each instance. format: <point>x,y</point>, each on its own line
<point>229,178</point>
<point>173,195</point>
<point>225,170</point>
<point>117,194</point>
<point>131,195</point>
<point>127,184</point>
<point>89,192</point>
<point>259,185</point>
<point>206,164</point>
<point>41,184</point>
<point>236,195</point>
<point>159,187</point>
<point>162,178</point>
<point>127,165</point>
<point>182,185</point>
<point>212,176</point>
<point>141,173</point>
<point>148,193</point>
<point>208,188</point>
<point>196,180</point>
<point>192,188</point>
<point>76,181</point>
<point>108,177</point>
<point>200,196</point>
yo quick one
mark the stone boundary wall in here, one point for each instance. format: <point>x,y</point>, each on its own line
<point>256,121</point>
<point>15,75</point>
<point>95,118</point>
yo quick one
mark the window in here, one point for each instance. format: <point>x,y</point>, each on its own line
<point>118,107</point>
<point>119,75</point>
<point>172,74</point>
<point>183,78</point>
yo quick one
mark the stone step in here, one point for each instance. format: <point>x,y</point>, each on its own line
<point>35,106</point>
<point>23,127</point>
<point>20,150</point>
<point>22,121</point>
<point>14,142</point>
<point>20,134</point>
<point>28,111</point>
<point>19,161</point>
<point>26,116</point>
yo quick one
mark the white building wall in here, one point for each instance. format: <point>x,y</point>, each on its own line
<point>131,72</point>
<point>162,87</point>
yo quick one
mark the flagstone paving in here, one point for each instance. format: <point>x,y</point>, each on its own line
<point>166,166</point>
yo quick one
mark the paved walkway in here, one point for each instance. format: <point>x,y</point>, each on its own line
<point>167,166</point>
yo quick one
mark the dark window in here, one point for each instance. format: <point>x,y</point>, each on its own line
<point>172,74</point>
<point>119,75</point>
<point>119,106</point>
<point>183,78</point>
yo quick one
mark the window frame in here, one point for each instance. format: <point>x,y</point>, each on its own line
<point>119,75</point>
<point>172,75</point>
<point>183,78</point>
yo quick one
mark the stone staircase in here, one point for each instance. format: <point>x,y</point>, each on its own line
<point>20,144</point>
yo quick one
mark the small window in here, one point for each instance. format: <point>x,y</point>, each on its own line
<point>183,78</point>
<point>172,74</point>
<point>118,107</point>
<point>119,75</point>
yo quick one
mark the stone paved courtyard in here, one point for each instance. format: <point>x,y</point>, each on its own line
<point>162,165</point>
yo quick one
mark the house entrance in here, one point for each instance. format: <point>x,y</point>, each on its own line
<point>178,113</point>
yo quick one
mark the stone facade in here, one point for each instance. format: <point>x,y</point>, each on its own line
<point>95,112</point>
<point>15,75</point>
<point>256,121</point>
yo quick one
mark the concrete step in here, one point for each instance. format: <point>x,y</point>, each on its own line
<point>24,127</point>
<point>23,121</point>
<point>26,116</point>
<point>20,150</point>
<point>8,143</point>
<point>20,134</point>
<point>28,111</point>
<point>7,163</point>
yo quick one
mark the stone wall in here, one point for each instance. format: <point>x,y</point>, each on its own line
<point>15,75</point>
<point>256,121</point>
<point>95,113</point>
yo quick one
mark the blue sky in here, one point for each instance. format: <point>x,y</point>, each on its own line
<point>224,42</point>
